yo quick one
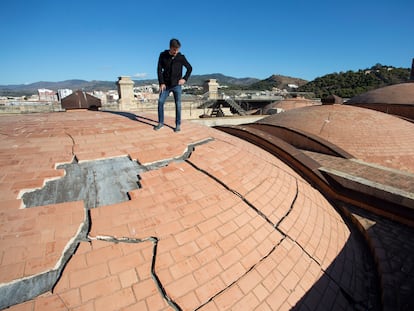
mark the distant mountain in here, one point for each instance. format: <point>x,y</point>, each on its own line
<point>277,81</point>
<point>201,79</point>
<point>28,89</point>
<point>221,79</point>
<point>343,84</point>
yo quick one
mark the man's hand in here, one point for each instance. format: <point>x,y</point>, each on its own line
<point>181,82</point>
<point>162,87</point>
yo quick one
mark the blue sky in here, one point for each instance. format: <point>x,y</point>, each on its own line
<point>56,40</point>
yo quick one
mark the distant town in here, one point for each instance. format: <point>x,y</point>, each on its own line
<point>46,99</point>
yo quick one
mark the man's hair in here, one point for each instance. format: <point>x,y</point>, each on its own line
<point>174,43</point>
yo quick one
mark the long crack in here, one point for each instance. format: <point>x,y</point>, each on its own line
<point>241,276</point>
<point>84,228</point>
<point>185,158</point>
<point>347,296</point>
<point>73,143</point>
<point>154,241</point>
<point>27,288</point>
<point>165,162</point>
<point>291,206</point>
<point>232,191</point>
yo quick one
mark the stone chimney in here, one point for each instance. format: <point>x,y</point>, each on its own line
<point>126,93</point>
<point>211,86</point>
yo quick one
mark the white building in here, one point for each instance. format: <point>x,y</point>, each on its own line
<point>47,95</point>
<point>62,93</point>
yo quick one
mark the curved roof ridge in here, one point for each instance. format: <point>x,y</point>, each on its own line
<point>367,134</point>
<point>402,93</point>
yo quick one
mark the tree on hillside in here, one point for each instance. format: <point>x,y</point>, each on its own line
<point>349,84</point>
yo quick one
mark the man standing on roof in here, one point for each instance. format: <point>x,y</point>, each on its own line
<point>170,77</point>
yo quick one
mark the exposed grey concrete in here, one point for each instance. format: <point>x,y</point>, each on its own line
<point>98,183</point>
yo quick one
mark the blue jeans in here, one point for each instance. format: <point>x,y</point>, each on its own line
<point>176,90</point>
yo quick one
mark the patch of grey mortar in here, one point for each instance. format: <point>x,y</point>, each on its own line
<point>24,289</point>
<point>27,288</point>
<point>97,183</point>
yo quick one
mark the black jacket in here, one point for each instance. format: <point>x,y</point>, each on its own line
<point>170,69</point>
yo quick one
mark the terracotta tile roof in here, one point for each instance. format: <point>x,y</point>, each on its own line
<point>366,134</point>
<point>402,93</point>
<point>215,223</point>
<point>292,103</point>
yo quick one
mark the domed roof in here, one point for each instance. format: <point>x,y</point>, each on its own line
<point>366,134</point>
<point>402,93</point>
<point>230,228</point>
<point>291,103</point>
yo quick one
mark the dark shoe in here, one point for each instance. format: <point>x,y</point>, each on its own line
<point>158,126</point>
<point>177,129</point>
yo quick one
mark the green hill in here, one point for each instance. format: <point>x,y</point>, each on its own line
<point>352,83</point>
